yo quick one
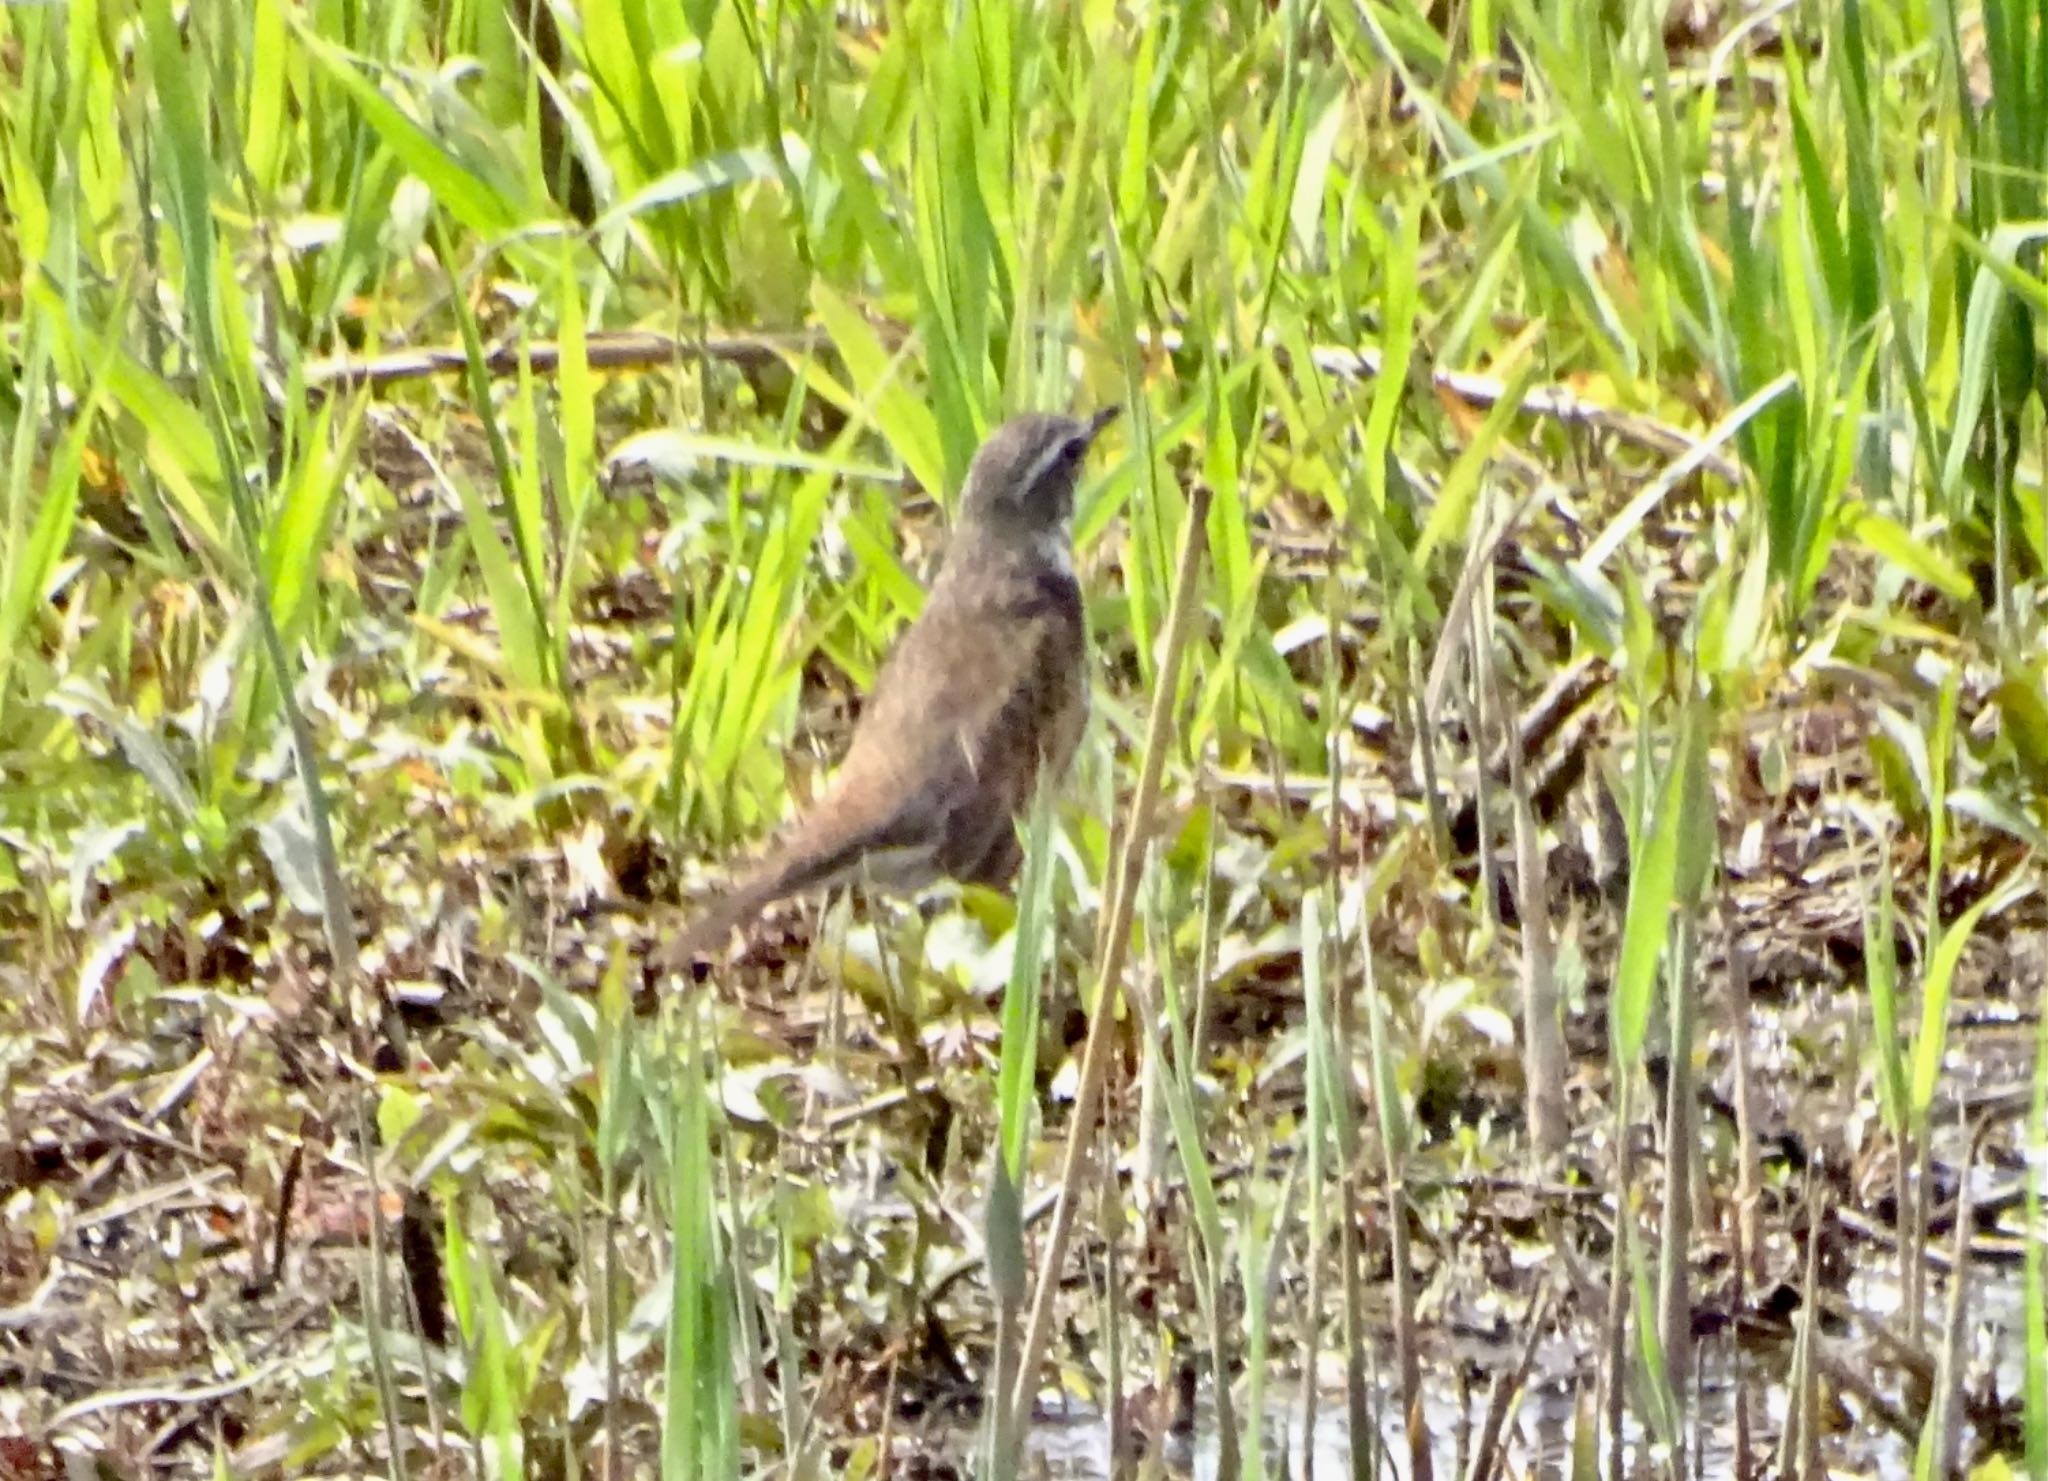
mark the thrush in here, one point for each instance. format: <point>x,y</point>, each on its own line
<point>983,696</point>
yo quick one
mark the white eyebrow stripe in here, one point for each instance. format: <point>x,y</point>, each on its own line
<point>1043,463</point>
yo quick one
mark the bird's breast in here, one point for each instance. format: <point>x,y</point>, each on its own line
<point>1012,585</point>
<point>1047,592</point>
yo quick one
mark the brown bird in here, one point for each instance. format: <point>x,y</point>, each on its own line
<point>986,693</point>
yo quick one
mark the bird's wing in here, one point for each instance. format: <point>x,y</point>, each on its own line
<point>983,690</point>
<point>946,752</point>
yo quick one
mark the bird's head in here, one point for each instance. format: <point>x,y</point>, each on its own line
<point>1023,478</point>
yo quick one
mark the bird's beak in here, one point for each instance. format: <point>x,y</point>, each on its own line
<point>1100,420</point>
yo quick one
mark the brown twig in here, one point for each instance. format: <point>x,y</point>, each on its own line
<point>618,349</point>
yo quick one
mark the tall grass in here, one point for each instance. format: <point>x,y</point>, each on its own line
<point>284,650</point>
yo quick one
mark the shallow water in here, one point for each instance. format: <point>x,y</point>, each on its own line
<point>1541,1430</point>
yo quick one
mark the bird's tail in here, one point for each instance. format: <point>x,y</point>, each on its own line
<point>782,874</point>
<point>807,861</point>
<point>715,923</point>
